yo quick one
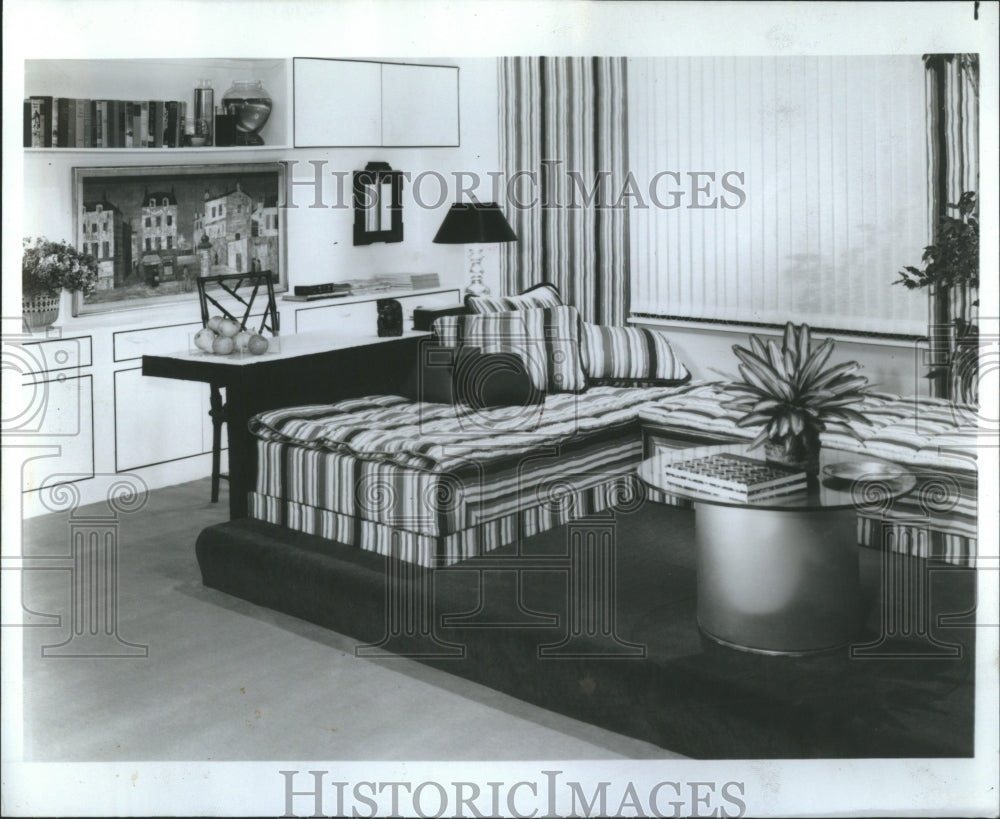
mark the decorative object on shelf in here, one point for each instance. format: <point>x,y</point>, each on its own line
<point>250,106</point>
<point>951,273</point>
<point>786,391</point>
<point>378,204</point>
<point>224,129</point>
<point>204,108</point>
<point>475,223</point>
<point>49,269</point>
<point>390,317</point>
<point>156,230</point>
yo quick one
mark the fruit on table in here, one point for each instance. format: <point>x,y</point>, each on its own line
<point>241,340</point>
<point>257,344</point>
<point>214,322</point>
<point>223,345</point>
<point>204,339</point>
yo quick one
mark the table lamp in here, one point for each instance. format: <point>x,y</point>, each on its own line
<point>475,223</point>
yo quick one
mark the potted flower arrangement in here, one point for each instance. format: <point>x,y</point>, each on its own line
<point>787,392</point>
<point>48,268</point>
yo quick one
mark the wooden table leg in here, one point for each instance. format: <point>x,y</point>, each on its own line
<point>242,454</point>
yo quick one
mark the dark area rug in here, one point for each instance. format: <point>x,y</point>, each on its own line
<point>596,620</point>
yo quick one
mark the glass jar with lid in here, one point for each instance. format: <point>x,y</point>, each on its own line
<point>250,106</point>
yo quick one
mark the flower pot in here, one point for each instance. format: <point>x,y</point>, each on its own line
<point>798,452</point>
<point>40,312</point>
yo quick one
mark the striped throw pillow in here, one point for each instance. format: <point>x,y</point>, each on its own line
<point>546,339</point>
<point>541,295</point>
<point>629,356</point>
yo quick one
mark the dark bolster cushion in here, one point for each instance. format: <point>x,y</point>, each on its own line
<point>465,375</point>
<point>423,317</point>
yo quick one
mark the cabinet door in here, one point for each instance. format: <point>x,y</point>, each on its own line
<point>419,105</point>
<point>158,419</point>
<point>59,417</point>
<point>337,103</point>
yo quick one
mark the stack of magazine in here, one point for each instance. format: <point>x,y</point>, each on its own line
<point>735,477</point>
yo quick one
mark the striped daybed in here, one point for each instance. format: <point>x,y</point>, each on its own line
<point>437,483</point>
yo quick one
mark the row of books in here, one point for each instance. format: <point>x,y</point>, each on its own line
<point>65,122</point>
<point>735,477</point>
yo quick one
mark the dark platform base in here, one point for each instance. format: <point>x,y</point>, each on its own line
<point>526,625</point>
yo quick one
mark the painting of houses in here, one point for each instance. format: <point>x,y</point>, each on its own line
<point>155,230</point>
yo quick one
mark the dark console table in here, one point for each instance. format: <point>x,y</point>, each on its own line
<point>309,368</point>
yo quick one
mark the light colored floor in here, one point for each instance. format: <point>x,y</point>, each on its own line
<point>227,680</point>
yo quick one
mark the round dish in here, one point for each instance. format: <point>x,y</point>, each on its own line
<point>851,471</point>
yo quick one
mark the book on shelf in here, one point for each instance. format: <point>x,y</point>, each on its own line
<point>67,122</point>
<point>736,477</point>
<point>38,112</point>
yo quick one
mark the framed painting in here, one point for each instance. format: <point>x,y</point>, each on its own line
<point>155,230</point>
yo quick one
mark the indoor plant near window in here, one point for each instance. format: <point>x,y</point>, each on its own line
<point>787,392</point>
<point>48,268</point>
<point>951,272</point>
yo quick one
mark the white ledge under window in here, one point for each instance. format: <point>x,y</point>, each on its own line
<point>845,336</point>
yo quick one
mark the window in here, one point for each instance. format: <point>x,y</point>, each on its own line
<point>105,250</point>
<point>149,222</point>
<point>159,221</point>
<point>149,243</point>
<point>826,198</point>
<point>170,219</point>
<point>170,242</point>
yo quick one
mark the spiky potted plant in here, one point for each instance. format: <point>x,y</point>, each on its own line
<point>787,392</point>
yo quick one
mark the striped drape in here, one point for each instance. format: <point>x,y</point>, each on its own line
<point>952,96</point>
<point>563,149</point>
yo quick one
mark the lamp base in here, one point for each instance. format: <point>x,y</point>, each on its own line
<point>476,285</point>
<point>476,289</point>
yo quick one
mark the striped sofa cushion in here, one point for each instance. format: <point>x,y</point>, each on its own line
<point>629,356</point>
<point>547,339</point>
<point>541,295</point>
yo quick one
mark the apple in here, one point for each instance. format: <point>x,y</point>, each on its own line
<point>203,339</point>
<point>223,345</point>
<point>228,328</point>
<point>257,344</point>
<point>241,340</point>
<point>214,322</point>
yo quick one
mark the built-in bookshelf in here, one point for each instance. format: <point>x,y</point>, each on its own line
<point>141,104</point>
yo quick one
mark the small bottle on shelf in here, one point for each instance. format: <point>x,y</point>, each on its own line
<point>204,107</point>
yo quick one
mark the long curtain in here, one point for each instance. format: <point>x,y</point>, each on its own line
<point>563,148</point>
<point>953,168</point>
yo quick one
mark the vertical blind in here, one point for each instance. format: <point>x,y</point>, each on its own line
<point>832,152</point>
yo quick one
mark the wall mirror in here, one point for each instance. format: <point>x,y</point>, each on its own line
<point>378,204</point>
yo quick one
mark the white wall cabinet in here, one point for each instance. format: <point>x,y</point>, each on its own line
<point>356,103</point>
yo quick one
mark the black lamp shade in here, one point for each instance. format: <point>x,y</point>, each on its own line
<point>469,223</point>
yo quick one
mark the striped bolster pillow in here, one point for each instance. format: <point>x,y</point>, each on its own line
<point>541,295</point>
<point>546,339</point>
<point>629,357</point>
